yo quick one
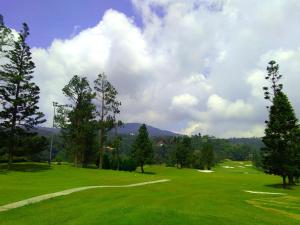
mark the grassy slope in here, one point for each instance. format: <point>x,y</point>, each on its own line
<point>190,198</point>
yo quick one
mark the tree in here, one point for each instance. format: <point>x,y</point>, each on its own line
<point>142,150</point>
<point>78,119</point>
<point>19,95</point>
<point>107,108</point>
<point>183,151</point>
<point>207,156</point>
<point>280,133</point>
<point>273,77</point>
<point>281,151</point>
<point>117,142</point>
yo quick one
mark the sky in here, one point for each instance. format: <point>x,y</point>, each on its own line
<point>189,66</point>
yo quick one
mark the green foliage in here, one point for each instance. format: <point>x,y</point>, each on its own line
<point>78,120</point>
<point>106,162</point>
<point>280,156</point>
<point>273,77</point>
<point>107,108</point>
<point>257,159</point>
<point>142,150</point>
<point>280,135</point>
<point>207,156</point>
<point>128,164</point>
<point>183,151</point>
<point>19,95</point>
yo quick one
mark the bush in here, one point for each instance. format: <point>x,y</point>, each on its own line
<point>106,161</point>
<point>128,164</point>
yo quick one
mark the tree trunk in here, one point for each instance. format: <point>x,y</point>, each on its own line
<point>101,148</point>
<point>142,167</point>
<point>284,181</point>
<point>291,180</point>
<point>83,163</point>
<point>76,159</point>
<point>12,130</point>
<point>117,144</point>
<point>11,147</point>
<point>118,159</point>
<point>10,157</point>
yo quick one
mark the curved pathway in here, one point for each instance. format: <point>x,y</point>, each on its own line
<point>69,191</point>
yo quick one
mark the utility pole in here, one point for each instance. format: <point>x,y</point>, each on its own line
<point>55,104</point>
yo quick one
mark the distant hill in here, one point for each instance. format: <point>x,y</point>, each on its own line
<point>47,131</point>
<point>132,129</point>
<point>126,129</point>
<point>247,141</point>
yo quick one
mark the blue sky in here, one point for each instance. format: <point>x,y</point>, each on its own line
<point>188,66</point>
<point>50,19</point>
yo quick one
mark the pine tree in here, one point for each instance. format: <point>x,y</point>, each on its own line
<point>207,156</point>
<point>142,150</point>
<point>280,156</point>
<point>183,151</point>
<point>107,108</point>
<point>19,95</point>
<point>279,150</point>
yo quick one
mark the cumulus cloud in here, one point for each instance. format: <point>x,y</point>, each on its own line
<point>184,100</point>
<point>229,110</point>
<point>194,66</point>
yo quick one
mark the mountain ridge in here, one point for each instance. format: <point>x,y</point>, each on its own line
<point>125,129</point>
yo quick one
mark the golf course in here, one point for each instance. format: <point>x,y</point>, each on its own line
<point>235,193</point>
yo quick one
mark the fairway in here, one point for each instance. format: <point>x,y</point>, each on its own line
<point>190,197</point>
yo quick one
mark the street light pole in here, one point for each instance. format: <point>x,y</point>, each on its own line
<point>52,137</point>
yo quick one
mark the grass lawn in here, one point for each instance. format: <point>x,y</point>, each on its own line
<point>190,197</point>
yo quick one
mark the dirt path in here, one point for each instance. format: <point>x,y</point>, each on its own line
<point>67,192</point>
<point>264,193</point>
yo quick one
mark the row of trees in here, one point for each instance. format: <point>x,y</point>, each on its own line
<point>281,154</point>
<point>203,152</point>
<point>184,151</point>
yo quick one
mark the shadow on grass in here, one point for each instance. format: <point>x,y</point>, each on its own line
<point>24,167</point>
<point>279,186</point>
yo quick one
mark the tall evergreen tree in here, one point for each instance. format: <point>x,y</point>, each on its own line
<point>279,156</point>
<point>207,156</point>
<point>78,120</point>
<point>183,151</point>
<point>19,95</point>
<point>107,108</point>
<point>279,150</point>
<point>142,149</point>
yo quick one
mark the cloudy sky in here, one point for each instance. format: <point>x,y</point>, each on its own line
<point>188,66</point>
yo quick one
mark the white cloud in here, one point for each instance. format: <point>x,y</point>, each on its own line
<point>256,130</point>
<point>195,66</point>
<point>184,100</point>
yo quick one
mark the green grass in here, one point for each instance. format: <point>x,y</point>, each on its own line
<point>190,197</point>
